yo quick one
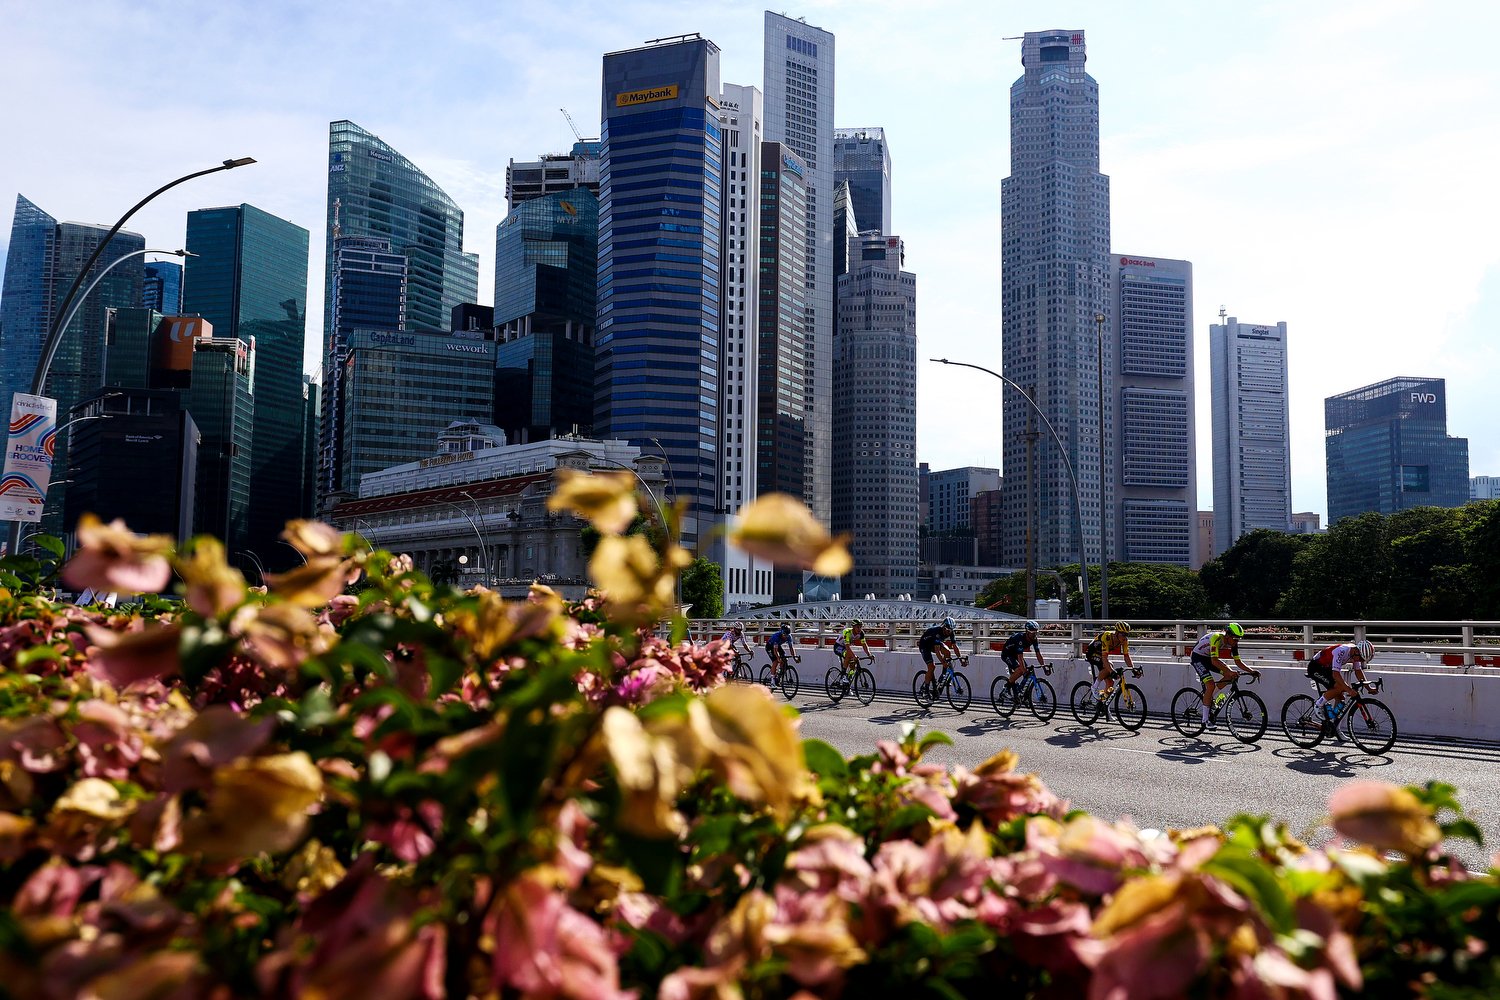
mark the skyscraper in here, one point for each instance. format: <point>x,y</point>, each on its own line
<point>367,292</point>
<point>554,172</point>
<point>1055,279</point>
<point>747,581</point>
<point>951,491</point>
<point>43,260</point>
<point>546,304</point>
<point>374,191</point>
<point>845,229</point>
<point>863,159</point>
<point>875,490</point>
<point>1252,433</point>
<point>162,289</point>
<point>660,245</point>
<point>249,280</point>
<point>1389,449</point>
<point>219,398</point>
<point>1156,472</point>
<point>799,79</point>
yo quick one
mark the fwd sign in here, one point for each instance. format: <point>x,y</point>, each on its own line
<point>1424,397</point>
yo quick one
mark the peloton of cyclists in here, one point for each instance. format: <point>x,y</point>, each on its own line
<point>1329,666</point>
<point>1208,658</point>
<point>778,646</point>
<point>1014,651</point>
<point>939,639</point>
<point>843,646</point>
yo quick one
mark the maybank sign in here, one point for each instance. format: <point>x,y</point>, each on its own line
<point>633,97</point>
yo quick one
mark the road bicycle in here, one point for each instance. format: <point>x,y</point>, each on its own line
<point>1129,702</point>
<point>1029,690</point>
<point>1243,710</point>
<point>1368,722</point>
<point>839,681</point>
<point>742,671</point>
<point>788,681</point>
<point>949,683</point>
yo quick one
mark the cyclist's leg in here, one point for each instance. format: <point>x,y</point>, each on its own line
<point>1204,670</point>
<point>927,659</point>
<point>1017,667</point>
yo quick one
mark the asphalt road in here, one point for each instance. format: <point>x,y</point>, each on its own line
<point>1162,780</point>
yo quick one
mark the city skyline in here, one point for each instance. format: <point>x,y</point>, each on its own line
<point>1242,141</point>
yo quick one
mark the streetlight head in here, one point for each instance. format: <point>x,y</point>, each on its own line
<point>184,253</point>
<point>241,162</point>
<point>1100,317</point>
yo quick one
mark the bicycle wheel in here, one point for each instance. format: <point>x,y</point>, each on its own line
<point>921,690</point>
<point>1043,700</point>
<point>959,692</point>
<point>1187,717</point>
<point>1130,706</point>
<point>864,685</point>
<point>1301,722</point>
<point>833,683</point>
<point>1371,726</point>
<point>1085,704</point>
<point>765,675</point>
<point>790,682</point>
<point>1002,697</point>
<point>1247,716</point>
<point>742,672</point>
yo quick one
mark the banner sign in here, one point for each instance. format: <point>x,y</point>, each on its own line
<point>28,457</point>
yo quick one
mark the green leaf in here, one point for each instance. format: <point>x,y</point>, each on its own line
<point>35,653</point>
<point>1462,829</point>
<point>712,837</point>
<point>935,738</point>
<point>1257,883</point>
<point>823,759</point>
<point>50,543</point>
<point>907,816</point>
<point>1463,896</point>
<point>657,862</point>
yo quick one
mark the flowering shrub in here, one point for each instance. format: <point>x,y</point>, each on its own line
<point>401,790</point>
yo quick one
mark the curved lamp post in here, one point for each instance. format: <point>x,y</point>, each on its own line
<point>477,536</point>
<point>660,514</point>
<point>1099,321</point>
<point>1083,565</point>
<point>55,332</point>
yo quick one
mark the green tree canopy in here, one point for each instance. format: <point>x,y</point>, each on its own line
<point>703,588</point>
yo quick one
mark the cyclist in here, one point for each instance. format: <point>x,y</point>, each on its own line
<point>1014,651</point>
<point>1208,657</point>
<point>843,646</point>
<point>734,639</point>
<point>939,639</point>
<point>778,646</point>
<point>1111,640</point>
<point>1328,667</point>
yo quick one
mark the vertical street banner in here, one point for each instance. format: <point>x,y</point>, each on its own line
<point>28,457</point>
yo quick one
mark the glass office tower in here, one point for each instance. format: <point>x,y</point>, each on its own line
<point>546,259</point>
<point>374,191</point>
<point>1389,449</point>
<point>368,293</point>
<point>1054,280</point>
<point>249,280</point>
<point>799,80</point>
<point>162,289</point>
<point>1251,429</point>
<point>862,158</point>
<point>660,253</point>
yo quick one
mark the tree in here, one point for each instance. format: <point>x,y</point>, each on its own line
<point>1343,574</point>
<point>703,588</point>
<point>1155,590</point>
<point>1250,577</point>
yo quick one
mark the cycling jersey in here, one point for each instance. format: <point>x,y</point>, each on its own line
<point>779,639</point>
<point>932,636</point>
<point>1111,641</point>
<point>1337,657</point>
<point>1016,646</point>
<point>731,637</point>
<point>1220,645</point>
<point>847,640</point>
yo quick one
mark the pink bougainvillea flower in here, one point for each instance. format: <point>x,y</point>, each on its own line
<point>256,804</point>
<point>1086,853</point>
<point>545,948</point>
<point>831,858</point>
<point>314,538</point>
<point>410,834</point>
<point>108,745</point>
<point>1385,816</point>
<point>213,586</point>
<point>999,794</point>
<point>54,889</point>
<point>937,883</point>
<point>149,652</point>
<point>112,558</point>
<point>217,737</point>
<point>811,932</point>
<point>278,635</point>
<point>86,819</point>
<point>315,582</point>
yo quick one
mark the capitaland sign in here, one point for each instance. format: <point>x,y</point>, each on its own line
<point>631,98</point>
<point>790,164</point>
<point>393,339</point>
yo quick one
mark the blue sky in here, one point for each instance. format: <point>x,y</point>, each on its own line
<point>1332,165</point>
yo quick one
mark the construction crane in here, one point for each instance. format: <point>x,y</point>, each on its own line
<point>576,134</point>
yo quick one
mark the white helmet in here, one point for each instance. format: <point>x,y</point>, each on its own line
<point>949,623</point>
<point>1365,650</point>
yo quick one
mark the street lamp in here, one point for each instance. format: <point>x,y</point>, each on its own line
<point>1099,320</point>
<point>478,537</point>
<point>1083,565</point>
<point>489,563</point>
<point>660,514</point>
<point>259,567</point>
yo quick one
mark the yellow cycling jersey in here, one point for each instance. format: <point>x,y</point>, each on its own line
<point>1114,642</point>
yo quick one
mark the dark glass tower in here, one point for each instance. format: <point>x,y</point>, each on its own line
<point>249,281</point>
<point>862,158</point>
<point>367,292</point>
<point>782,450</point>
<point>1055,279</point>
<point>1389,449</point>
<point>162,289</point>
<point>43,260</point>
<point>374,191</point>
<point>546,259</point>
<point>660,240</point>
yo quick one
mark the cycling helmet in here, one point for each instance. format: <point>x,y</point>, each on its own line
<point>1365,650</point>
<point>949,623</point>
<point>856,623</point>
<point>1122,627</point>
<point>1235,629</point>
<point>736,628</point>
<point>1032,626</point>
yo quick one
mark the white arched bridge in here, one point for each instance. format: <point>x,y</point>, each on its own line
<point>871,610</point>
